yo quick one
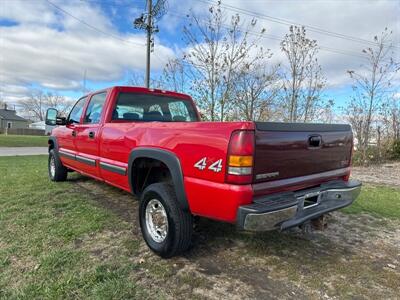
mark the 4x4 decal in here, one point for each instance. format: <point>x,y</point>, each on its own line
<point>215,166</point>
<point>201,164</point>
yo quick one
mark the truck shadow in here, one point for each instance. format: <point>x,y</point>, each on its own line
<point>212,237</point>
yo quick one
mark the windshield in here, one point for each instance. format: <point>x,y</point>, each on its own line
<point>149,108</point>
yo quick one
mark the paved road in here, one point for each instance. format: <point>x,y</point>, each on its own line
<point>14,151</point>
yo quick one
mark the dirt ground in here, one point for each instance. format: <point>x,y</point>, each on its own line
<point>357,256</point>
<point>387,174</point>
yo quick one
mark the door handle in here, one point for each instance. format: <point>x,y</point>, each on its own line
<point>314,141</point>
<point>91,134</point>
<point>73,133</point>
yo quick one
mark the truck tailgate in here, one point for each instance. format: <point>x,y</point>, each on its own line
<point>289,150</point>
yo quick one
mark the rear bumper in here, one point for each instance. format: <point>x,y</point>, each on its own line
<point>286,210</point>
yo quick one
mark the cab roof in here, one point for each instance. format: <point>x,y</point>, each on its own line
<point>143,90</point>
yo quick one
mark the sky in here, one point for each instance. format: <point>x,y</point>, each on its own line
<point>53,45</point>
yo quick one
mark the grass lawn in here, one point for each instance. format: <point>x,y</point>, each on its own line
<point>381,201</point>
<point>56,241</point>
<point>23,141</point>
<point>46,239</point>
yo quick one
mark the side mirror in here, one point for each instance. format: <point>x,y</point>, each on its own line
<point>61,121</point>
<point>51,117</point>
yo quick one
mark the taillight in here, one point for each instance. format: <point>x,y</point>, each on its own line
<point>240,157</point>
<point>347,176</point>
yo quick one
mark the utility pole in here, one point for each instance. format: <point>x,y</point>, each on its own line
<point>146,22</point>
<point>149,31</point>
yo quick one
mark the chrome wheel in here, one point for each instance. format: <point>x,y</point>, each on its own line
<point>52,166</point>
<point>156,220</point>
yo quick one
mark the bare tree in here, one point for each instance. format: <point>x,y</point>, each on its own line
<point>38,102</point>
<point>256,86</point>
<point>174,76</point>
<point>216,51</point>
<point>391,117</point>
<point>354,113</point>
<point>2,104</point>
<point>137,79</point>
<point>303,81</point>
<point>371,87</point>
<point>325,113</point>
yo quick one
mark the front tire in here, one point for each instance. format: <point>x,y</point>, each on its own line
<point>57,172</point>
<point>166,227</point>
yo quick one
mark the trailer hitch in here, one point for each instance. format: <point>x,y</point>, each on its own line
<point>319,224</point>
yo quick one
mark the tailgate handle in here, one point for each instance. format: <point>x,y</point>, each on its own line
<point>314,141</point>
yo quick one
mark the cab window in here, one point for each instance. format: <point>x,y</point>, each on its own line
<point>76,112</point>
<point>179,111</point>
<point>150,108</point>
<point>95,108</point>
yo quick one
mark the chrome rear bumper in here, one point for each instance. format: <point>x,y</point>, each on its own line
<point>285,210</point>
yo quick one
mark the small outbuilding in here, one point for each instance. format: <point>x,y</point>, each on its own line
<point>10,120</point>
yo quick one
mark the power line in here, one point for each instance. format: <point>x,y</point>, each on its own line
<point>278,38</point>
<point>288,22</point>
<point>99,30</point>
<point>268,36</point>
<point>352,53</point>
<point>93,27</point>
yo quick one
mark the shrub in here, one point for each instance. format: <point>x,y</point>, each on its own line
<point>395,149</point>
<point>373,156</point>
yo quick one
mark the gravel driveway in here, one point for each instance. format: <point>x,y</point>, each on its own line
<point>18,151</point>
<point>356,257</point>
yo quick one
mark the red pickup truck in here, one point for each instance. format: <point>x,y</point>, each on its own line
<point>152,143</point>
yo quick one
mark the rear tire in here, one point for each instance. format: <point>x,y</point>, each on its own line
<point>57,172</point>
<point>166,227</point>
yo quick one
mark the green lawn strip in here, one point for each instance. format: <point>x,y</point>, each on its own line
<point>23,141</point>
<point>41,222</point>
<point>380,201</point>
<point>55,242</point>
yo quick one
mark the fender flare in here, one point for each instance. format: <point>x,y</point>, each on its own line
<point>54,140</point>
<point>173,164</point>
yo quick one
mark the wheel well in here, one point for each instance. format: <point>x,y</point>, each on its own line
<point>146,171</point>
<point>51,144</point>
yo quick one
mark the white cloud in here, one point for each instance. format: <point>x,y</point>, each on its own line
<point>54,52</point>
<point>28,12</point>
<point>353,18</point>
<point>50,49</point>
